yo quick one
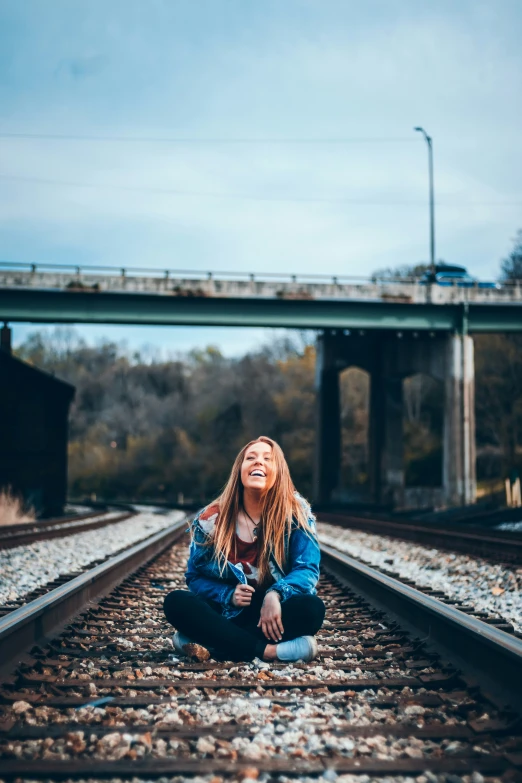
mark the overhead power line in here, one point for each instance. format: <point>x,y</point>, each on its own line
<point>156,190</point>
<point>210,141</point>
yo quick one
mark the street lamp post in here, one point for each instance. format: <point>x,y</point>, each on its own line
<point>429,142</point>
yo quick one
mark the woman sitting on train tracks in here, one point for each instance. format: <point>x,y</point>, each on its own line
<point>253,568</point>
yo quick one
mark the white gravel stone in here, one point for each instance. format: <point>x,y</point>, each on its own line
<point>512,526</point>
<point>484,586</point>
<point>24,568</point>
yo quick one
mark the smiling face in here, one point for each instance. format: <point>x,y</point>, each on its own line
<point>258,469</point>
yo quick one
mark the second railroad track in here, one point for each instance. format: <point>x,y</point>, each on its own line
<point>497,546</point>
<point>42,530</point>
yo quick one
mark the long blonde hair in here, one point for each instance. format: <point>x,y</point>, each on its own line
<point>281,506</point>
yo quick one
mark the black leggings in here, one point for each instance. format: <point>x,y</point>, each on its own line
<point>239,638</point>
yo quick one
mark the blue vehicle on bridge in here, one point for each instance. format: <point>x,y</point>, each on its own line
<point>453,275</point>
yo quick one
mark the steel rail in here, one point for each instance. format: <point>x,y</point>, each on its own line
<point>30,624</point>
<point>12,540</point>
<point>504,546</point>
<point>41,524</point>
<point>491,656</point>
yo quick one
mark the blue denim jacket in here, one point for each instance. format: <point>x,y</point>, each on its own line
<point>204,578</point>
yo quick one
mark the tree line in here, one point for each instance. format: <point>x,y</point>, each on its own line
<point>143,428</point>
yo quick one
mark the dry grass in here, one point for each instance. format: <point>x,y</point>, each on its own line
<point>12,509</point>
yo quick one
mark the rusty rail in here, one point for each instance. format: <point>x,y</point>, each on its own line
<point>493,656</point>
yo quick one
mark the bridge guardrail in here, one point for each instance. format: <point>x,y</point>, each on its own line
<point>200,283</point>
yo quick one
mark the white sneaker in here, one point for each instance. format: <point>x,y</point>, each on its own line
<point>184,646</point>
<point>304,648</point>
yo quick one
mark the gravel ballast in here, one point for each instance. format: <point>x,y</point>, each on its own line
<point>25,568</point>
<point>485,586</point>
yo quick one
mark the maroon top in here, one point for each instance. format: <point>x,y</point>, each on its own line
<point>246,553</point>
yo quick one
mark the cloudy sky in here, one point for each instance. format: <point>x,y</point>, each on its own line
<point>240,135</point>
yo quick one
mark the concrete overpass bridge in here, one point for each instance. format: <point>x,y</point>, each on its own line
<point>390,328</point>
<point>46,293</point>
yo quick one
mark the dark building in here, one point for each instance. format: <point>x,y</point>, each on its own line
<point>34,408</point>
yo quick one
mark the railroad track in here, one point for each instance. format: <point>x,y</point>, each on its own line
<point>503,548</point>
<point>394,692</point>
<point>28,532</point>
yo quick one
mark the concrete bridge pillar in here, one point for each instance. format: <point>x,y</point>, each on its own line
<point>389,358</point>
<point>327,467</point>
<point>459,471</point>
<point>386,439</point>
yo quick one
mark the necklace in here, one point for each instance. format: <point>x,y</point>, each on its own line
<point>255,529</point>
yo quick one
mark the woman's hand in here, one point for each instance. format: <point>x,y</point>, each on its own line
<point>242,595</point>
<point>270,619</point>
